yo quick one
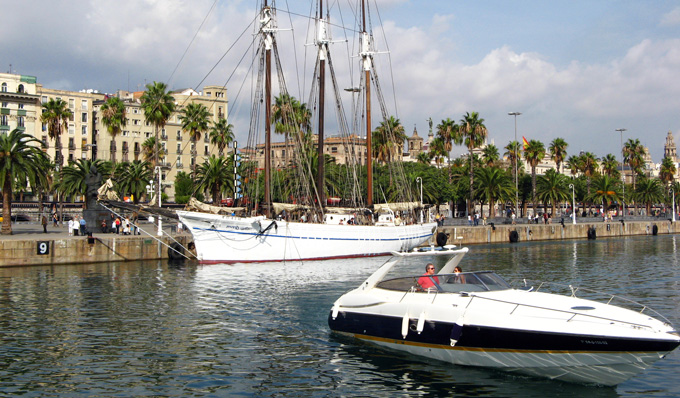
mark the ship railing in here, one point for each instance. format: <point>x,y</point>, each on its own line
<point>590,294</point>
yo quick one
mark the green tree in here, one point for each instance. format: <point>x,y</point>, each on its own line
<point>221,134</point>
<point>667,171</point>
<point>195,118</point>
<point>184,188</point>
<point>20,159</point>
<point>533,154</point>
<point>558,152</point>
<point>150,151</point>
<point>134,178</point>
<point>438,151</point>
<point>633,155</point>
<point>649,191</point>
<point>113,115</point>
<point>494,184</point>
<point>473,129</point>
<point>606,191</point>
<point>73,178</point>
<point>490,155</point>
<point>610,166</point>
<point>553,188</point>
<point>56,115</point>
<point>213,175</point>
<point>388,139</point>
<point>158,106</point>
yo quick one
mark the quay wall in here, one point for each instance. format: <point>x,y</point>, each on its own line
<point>111,248</point>
<point>37,251</point>
<point>467,235</point>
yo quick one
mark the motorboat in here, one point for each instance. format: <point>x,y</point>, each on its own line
<point>478,319</point>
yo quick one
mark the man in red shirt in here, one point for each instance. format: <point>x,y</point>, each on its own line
<point>429,280</point>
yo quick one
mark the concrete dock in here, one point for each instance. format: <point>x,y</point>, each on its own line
<point>30,246</point>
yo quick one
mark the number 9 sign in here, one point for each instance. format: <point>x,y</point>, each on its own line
<point>43,248</point>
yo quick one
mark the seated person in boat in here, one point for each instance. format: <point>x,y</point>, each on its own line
<point>429,280</point>
<point>459,277</point>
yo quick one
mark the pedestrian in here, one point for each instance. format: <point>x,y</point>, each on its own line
<point>113,224</point>
<point>55,219</point>
<point>70,227</point>
<point>469,220</point>
<point>476,219</point>
<point>44,223</point>
<point>513,217</point>
<point>117,225</point>
<point>83,226</point>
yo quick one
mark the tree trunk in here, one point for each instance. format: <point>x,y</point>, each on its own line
<point>7,207</point>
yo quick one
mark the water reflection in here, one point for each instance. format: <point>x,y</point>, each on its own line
<point>183,329</point>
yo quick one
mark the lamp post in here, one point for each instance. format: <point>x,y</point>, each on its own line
<point>515,114</point>
<point>420,180</point>
<point>623,177</point>
<point>573,205</point>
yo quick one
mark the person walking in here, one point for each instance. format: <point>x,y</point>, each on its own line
<point>83,226</point>
<point>44,223</point>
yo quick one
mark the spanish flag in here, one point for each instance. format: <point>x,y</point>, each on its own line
<point>526,143</point>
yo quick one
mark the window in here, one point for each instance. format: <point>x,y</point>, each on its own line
<point>72,104</point>
<point>207,93</point>
<point>3,120</point>
<point>71,143</point>
<point>83,130</point>
<point>83,117</point>
<point>71,128</point>
<point>44,99</point>
<point>21,106</point>
<point>205,151</point>
<point>20,121</point>
<point>4,87</point>
<point>4,104</point>
<point>44,142</point>
<point>147,135</point>
<point>20,89</point>
<point>83,105</point>
<point>334,149</point>
<point>126,133</point>
<point>179,148</point>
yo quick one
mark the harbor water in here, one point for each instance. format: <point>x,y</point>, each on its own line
<point>159,329</point>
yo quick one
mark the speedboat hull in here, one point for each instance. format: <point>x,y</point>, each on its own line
<point>481,321</point>
<point>229,239</point>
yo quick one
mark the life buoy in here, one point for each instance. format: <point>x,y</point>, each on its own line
<point>175,251</point>
<point>442,239</point>
<point>655,230</point>
<point>592,233</point>
<point>514,237</point>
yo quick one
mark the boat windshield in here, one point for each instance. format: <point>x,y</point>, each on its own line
<point>482,281</point>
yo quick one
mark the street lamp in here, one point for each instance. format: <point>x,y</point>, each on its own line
<point>573,205</point>
<point>515,114</point>
<point>420,180</point>
<point>623,177</point>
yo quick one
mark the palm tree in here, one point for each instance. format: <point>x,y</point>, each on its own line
<point>113,115</point>
<point>388,138</point>
<point>134,178</point>
<point>494,184</point>
<point>513,153</point>
<point>212,175</point>
<point>450,134</point>
<point>667,171</point>
<point>606,191</point>
<point>473,129</point>
<point>575,164</point>
<point>553,188</point>
<point>19,160</point>
<point>610,166</point>
<point>74,176</point>
<point>633,154</point>
<point>438,151</point>
<point>533,154</point>
<point>56,115</point>
<point>150,149</point>
<point>221,134</point>
<point>424,157</point>
<point>588,162</point>
<point>558,151</point>
<point>195,119</point>
<point>490,155</point>
<point>649,191</point>
<point>158,106</point>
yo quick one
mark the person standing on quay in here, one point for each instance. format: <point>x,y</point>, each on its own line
<point>44,223</point>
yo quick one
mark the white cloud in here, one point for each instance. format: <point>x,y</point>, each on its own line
<point>672,18</point>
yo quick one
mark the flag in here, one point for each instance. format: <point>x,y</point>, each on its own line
<point>526,143</point>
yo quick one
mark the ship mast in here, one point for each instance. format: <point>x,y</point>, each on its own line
<point>322,42</point>
<point>268,32</point>
<point>366,61</point>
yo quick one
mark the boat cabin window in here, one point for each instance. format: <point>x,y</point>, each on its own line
<point>483,281</point>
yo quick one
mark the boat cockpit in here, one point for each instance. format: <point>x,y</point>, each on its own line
<point>480,281</point>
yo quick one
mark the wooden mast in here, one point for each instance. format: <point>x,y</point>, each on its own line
<point>268,42</point>
<point>322,42</point>
<point>365,55</point>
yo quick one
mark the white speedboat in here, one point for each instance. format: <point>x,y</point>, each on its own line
<point>477,319</point>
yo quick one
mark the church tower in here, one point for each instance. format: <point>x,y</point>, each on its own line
<point>669,149</point>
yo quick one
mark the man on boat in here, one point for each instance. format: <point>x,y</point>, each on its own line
<point>429,280</point>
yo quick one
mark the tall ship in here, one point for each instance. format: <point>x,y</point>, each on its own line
<point>285,213</point>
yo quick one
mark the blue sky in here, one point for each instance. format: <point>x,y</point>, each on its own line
<point>575,69</point>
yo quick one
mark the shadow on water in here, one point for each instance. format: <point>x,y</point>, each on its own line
<point>397,373</point>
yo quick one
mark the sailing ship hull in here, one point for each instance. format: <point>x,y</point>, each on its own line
<point>230,239</point>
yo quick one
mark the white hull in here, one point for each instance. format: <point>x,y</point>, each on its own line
<point>232,239</point>
<point>530,332</point>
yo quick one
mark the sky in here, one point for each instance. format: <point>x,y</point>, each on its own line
<point>577,70</point>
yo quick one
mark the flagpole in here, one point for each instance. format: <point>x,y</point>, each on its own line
<point>515,114</point>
